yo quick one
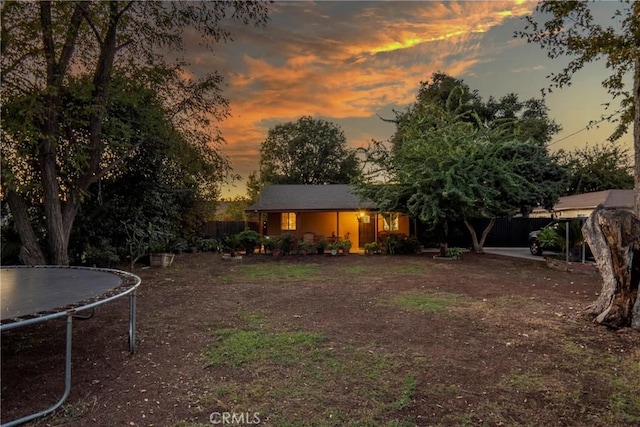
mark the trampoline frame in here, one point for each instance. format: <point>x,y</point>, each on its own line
<point>69,313</point>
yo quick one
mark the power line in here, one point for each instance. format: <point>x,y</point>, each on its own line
<point>584,128</point>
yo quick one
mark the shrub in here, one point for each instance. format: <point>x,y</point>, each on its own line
<point>549,238</point>
<point>285,241</point>
<point>269,243</point>
<point>306,248</point>
<point>209,245</point>
<point>249,239</point>
<point>453,253</point>
<point>399,244</point>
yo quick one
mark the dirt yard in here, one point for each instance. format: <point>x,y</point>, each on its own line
<point>336,341</point>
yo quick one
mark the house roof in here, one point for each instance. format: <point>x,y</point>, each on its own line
<point>296,198</point>
<point>607,198</point>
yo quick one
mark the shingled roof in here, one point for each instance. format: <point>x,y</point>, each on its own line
<point>619,199</point>
<point>607,198</point>
<point>297,198</point>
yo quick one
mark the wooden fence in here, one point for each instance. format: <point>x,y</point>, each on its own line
<point>220,229</point>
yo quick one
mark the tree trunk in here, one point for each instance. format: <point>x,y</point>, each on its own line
<point>30,253</point>
<point>444,237</point>
<point>478,247</point>
<point>614,238</point>
<point>636,128</point>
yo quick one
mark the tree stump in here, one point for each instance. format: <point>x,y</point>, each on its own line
<point>614,238</point>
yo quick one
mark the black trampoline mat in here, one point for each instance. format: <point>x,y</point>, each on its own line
<point>28,291</point>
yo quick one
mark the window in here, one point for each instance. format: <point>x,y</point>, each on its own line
<point>288,221</point>
<point>390,222</point>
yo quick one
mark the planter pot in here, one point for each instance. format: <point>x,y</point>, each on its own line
<point>346,250</point>
<point>334,252</point>
<point>161,260</point>
<point>320,251</point>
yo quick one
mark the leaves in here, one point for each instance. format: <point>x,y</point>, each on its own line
<point>445,163</point>
<point>308,151</point>
<point>567,28</point>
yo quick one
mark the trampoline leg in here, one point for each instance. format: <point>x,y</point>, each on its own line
<point>132,322</point>
<point>67,381</point>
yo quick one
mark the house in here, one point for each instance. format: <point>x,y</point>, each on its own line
<point>581,205</point>
<point>330,211</point>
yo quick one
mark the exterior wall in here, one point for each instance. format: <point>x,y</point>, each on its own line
<point>349,224</point>
<point>320,223</point>
<point>326,224</point>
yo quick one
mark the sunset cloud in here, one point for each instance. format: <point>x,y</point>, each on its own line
<point>344,61</point>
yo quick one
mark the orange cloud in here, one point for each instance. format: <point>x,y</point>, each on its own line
<point>342,67</point>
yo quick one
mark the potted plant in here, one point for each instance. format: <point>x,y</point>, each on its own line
<point>320,247</point>
<point>333,248</point>
<point>232,243</point>
<point>160,254</point>
<point>371,248</point>
<point>345,245</point>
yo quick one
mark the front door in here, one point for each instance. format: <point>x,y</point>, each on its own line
<point>366,230</point>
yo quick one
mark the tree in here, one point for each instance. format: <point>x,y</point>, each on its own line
<point>525,119</point>
<point>45,44</point>
<point>569,28</point>
<point>460,114</point>
<point>254,187</point>
<point>442,168</point>
<point>307,151</point>
<point>597,168</point>
<point>165,181</point>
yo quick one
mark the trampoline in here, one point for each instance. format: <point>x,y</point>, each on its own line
<point>30,295</point>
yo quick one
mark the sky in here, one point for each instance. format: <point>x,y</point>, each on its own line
<point>354,62</point>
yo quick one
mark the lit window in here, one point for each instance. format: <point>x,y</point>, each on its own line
<point>390,222</point>
<point>288,221</point>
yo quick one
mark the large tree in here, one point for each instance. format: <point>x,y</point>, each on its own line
<point>442,167</point>
<point>596,168</point>
<point>166,182</point>
<point>45,44</point>
<point>446,108</point>
<point>307,151</point>
<point>525,119</point>
<point>568,28</point>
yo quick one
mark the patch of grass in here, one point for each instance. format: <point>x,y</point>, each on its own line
<point>523,382</point>
<point>354,269</point>
<point>406,396</point>
<point>238,347</point>
<point>279,271</point>
<point>625,399</point>
<point>409,270</point>
<point>297,376</point>
<point>433,302</point>
<point>253,320</point>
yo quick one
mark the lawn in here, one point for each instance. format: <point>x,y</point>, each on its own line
<point>337,341</point>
